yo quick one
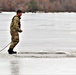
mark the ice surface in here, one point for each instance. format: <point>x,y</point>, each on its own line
<point>37,66</point>
<point>41,31</point>
<point>54,33</point>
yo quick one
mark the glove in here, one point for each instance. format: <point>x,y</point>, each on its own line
<point>20,31</point>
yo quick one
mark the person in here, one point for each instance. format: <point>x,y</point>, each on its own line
<point>15,29</point>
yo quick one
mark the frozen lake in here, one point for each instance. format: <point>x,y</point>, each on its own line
<point>42,32</point>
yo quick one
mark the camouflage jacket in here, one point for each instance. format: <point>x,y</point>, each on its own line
<point>15,24</point>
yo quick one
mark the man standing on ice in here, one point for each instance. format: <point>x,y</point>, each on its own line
<point>15,29</point>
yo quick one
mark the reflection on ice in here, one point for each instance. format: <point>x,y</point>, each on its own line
<point>37,66</point>
<point>14,67</point>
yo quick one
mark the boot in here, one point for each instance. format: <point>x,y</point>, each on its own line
<point>10,51</point>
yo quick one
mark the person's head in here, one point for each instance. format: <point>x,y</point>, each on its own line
<point>19,12</point>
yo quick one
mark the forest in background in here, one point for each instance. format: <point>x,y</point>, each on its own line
<point>38,5</point>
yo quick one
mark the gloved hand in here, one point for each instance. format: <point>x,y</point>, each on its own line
<point>20,31</point>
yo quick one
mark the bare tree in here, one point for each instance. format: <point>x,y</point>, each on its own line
<point>43,5</point>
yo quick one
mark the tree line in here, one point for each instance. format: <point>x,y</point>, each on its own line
<point>39,5</point>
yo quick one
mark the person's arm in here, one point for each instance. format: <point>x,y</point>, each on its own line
<point>16,26</point>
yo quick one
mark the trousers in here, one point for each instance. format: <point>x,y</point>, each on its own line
<point>14,39</point>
